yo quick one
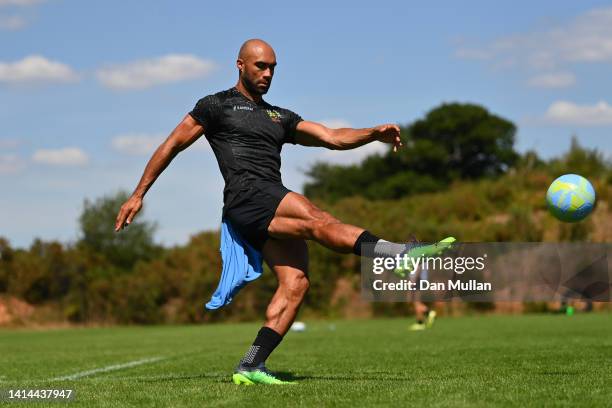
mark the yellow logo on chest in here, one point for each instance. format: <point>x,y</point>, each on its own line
<point>274,115</point>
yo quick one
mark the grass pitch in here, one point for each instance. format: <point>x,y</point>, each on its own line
<point>533,360</point>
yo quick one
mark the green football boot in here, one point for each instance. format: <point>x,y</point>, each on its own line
<point>417,326</point>
<point>424,250</point>
<point>259,375</point>
<point>431,317</point>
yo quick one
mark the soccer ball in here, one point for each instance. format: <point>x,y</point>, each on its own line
<point>298,326</point>
<point>570,198</point>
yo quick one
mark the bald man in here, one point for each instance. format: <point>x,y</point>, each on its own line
<point>246,134</point>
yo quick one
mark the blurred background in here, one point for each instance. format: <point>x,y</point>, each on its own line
<point>495,101</point>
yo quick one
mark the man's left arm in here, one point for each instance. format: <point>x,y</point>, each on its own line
<point>315,134</point>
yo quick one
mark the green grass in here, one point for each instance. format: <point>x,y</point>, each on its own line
<point>533,360</point>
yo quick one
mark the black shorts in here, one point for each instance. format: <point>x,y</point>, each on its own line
<point>252,211</point>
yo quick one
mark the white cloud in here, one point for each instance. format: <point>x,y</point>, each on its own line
<point>348,156</point>
<point>335,123</point>
<point>587,38</point>
<point>9,143</point>
<point>15,22</point>
<point>472,54</point>
<point>137,144</point>
<point>12,23</point>
<point>565,112</point>
<point>20,2</point>
<point>353,156</point>
<point>553,80</point>
<point>147,73</point>
<point>68,156</point>
<point>36,68</point>
<point>10,164</point>
<point>142,144</point>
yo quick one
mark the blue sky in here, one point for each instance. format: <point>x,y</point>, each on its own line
<point>88,89</point>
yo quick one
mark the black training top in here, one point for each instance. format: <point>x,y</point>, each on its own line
<point>246,137</point>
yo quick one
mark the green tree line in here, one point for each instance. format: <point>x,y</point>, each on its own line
<point>448,189</point>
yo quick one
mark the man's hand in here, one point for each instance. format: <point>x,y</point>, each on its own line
<point>388,134</point>
<point>128,211</point>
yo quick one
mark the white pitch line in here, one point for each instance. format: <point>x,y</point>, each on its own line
<point>113,367</point>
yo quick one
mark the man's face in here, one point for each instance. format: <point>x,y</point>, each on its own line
<point>257,70</point>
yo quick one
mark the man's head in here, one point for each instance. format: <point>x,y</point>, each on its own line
<point>256,62</point>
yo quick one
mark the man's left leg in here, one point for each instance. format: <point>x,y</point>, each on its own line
<point>289,261</point>
<point>298,218</point>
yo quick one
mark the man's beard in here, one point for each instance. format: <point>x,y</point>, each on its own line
<point>253,87</point>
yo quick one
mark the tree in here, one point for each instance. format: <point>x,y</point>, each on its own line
<point>122,249</point>
<point>580,160</point>
<point>6,256</point>
<point>453,141</point>
<point>461,140</point>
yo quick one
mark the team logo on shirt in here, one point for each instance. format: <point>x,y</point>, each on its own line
<point>274,115</point>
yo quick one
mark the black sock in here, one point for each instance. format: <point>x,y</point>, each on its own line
<point>264,344</point>
<point>366,237</point>
<point>375,247</point>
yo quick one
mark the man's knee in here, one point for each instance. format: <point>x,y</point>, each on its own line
<point>318,219</point>
<point>296,288</point>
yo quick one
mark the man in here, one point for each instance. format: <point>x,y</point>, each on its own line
<point>424,315</point>
<point>246,134</point>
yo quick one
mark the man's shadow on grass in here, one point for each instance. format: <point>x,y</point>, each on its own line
<point>282,375</point>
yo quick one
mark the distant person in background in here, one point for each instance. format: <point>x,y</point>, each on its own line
<point>425,316</point>
<point>262,219</point>
<point>568,307</point>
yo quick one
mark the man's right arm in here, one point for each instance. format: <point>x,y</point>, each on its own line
<point>187,132</point>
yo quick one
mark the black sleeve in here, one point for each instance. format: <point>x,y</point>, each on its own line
<point>206,112</point>
<point>290,122</point>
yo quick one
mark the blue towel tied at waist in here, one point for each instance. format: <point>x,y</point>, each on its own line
<point>241,264</point>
